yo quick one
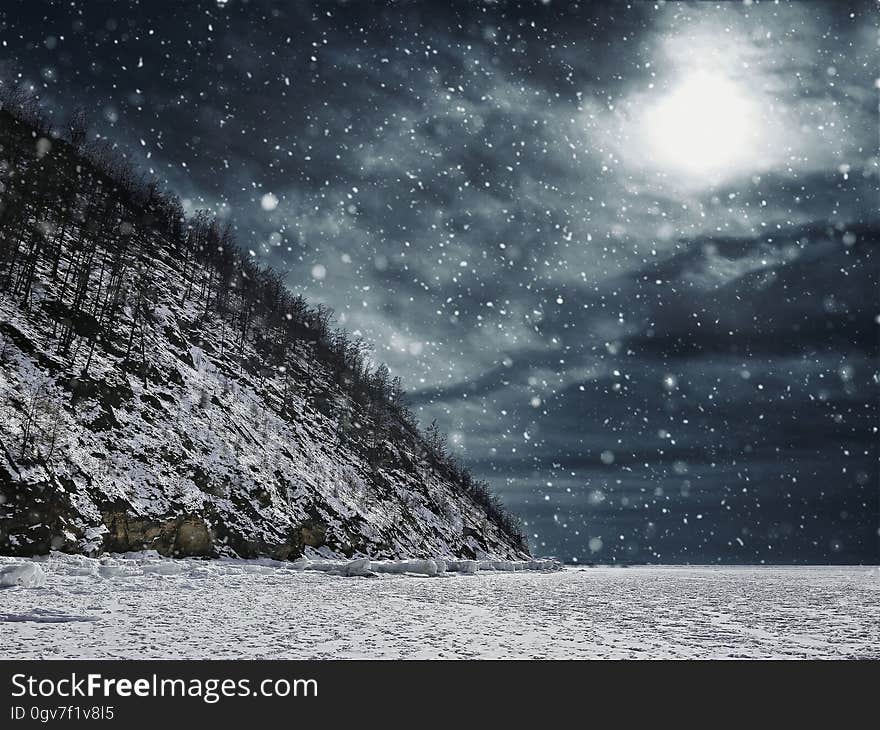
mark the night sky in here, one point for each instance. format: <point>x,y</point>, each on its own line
<point>624,254</point>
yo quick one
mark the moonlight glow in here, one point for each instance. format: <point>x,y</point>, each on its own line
<point>705,126</point>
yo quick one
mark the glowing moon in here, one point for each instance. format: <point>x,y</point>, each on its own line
<point>705,126</point>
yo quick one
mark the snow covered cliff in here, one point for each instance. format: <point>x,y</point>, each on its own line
<point>158,390</point>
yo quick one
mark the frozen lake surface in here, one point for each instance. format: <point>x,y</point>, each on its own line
<point>156,608</point>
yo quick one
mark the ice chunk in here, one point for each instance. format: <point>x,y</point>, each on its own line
<point>164,568</point>
<point>26,575</point>
<point>361,566</point>
<point>423,567</point>
<point>324,566</point>
<point>391,566</point>
<point>110,570</point>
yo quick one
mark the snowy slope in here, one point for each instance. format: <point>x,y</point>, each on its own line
<point>192,446</point>
<point>146,462</point>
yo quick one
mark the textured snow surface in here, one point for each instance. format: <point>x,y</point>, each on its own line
<point>147,607</point>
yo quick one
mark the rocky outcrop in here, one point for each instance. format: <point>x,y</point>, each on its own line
<point>178,536</point>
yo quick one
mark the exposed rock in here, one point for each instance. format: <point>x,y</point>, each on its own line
<point>178,536</point>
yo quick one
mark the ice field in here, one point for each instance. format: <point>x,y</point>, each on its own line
<point>149,607</point>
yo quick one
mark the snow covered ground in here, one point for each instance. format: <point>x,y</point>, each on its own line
<point>148,607</point>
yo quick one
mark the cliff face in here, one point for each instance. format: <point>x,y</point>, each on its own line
<point>142,406</point>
